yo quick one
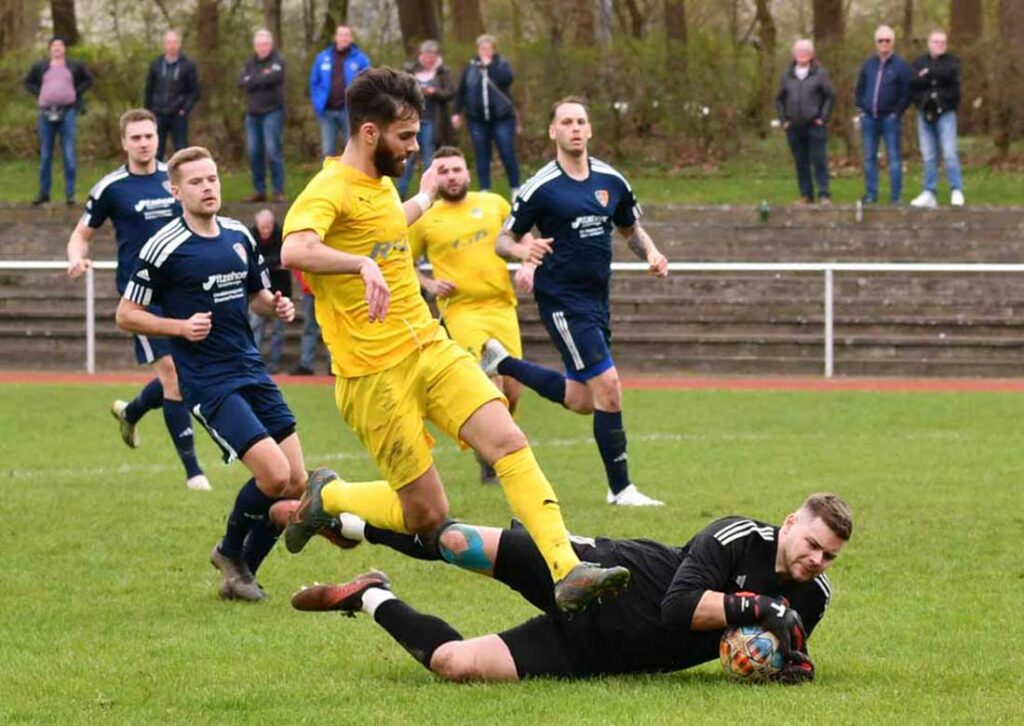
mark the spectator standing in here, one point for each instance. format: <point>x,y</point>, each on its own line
<point>882,95</point>
<point>263,81</point>
<point>435,79</point>
<point>804,103</point>
<point>311,340</point>
<point>935,89</point>
<point>484,96</point>
<point>59,83</point>
<point>267,233</point>
<point>332,72</point>
<point>172,91</point>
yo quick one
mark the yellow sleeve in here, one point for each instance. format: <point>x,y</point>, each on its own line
<point>317,208</point>
<point>417,242</point>
<point>504,208</point>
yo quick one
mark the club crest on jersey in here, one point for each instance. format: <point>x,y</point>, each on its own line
<point>602,197</point>
<point>240,251</point>
<point>166,184</point>
<point>476,213</point>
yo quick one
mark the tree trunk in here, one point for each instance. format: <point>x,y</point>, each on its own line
<point>965,28</point>
<point>272,20</point>
<point>829,19</point>
<point>762,101</point>
<point>467,20</point>
<point>14,25</point>
<point>65,24</point>
<point>418,21</point>
<point>676,34</point>
<point>337,14</point>
<point>636,19</point>
<point>908,28</point>
<point>1008,124</point>
<point>582,13</point>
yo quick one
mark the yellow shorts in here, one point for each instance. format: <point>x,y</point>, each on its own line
<point>440,383</point>
<point>472,327</point>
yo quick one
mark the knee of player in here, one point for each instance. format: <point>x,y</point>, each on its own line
<point>453,662</point>
<point>578,400</point>
<point>275,483</point>
<point>426,518</point>
<point>608,394</point>
<point>507,440</point>
<point>461,545</point>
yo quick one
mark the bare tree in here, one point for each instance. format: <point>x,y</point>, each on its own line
<point>467,20</point>
<point>15,19</point>
<point>768,34</point>
<point>965,28</point>
<point>418,21</point>
<point>337,14</point>
<point>829,36</point>
<point>272,20</point>
<point>676,35</point>
<point>908,24</point>
<point>636,19</point>
<point>582,12</point>
<point>65,24</point>
<point>1009,69</point>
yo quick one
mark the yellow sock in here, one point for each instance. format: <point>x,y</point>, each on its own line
<point>533,501</point>
<point>374,501</point>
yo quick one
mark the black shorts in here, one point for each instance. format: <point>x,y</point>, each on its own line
<point>549,645</point>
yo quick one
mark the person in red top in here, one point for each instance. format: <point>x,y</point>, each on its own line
<point>311,341</point>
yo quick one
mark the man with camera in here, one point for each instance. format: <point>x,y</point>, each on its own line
<point>935,89</point>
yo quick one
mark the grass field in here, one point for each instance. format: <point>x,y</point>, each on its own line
<point>109,612</point>
<point>763,170</point>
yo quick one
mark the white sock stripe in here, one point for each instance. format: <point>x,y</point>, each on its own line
<point>563,328</point>
<point>374,597</point>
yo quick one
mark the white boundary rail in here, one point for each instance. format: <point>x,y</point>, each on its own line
<point>828,269</point>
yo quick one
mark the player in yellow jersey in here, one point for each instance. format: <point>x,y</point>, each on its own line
<point>470,281</point>
<point>395,366</point>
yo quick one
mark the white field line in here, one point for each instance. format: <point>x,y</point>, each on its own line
<point>446,448</point>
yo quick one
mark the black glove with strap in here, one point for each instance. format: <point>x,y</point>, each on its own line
<point>799,669</point>
<point>773,614</point>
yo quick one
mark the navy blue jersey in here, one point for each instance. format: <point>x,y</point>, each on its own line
<point>578,216</point>
<point>138,205</point>
<point>185,273</point>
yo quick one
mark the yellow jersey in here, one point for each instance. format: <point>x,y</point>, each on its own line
<point>358,214</point>
<point>458,239</point>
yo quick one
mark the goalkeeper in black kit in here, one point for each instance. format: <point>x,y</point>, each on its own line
<point>736,571</point>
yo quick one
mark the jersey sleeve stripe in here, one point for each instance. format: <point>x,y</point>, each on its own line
<point>119,173</point>
<point>173,244</point>
<point>149,250</point>
<point>603,168</point>
<point>727,529</point>
<point>825,590</point>
<point>525,194</point>
<point>543,171</point>
<point>265,279</point>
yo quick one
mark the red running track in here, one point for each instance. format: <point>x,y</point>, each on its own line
<point>985,385</point>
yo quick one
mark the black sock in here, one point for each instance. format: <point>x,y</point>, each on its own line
<point>150,397</point>
<point>419,634</point>
<point>548,383</point>
<point>251,506</point>
<point>179,425</point>
<point>421,547</point>
<point>260,541</point>
<point>611,442</point>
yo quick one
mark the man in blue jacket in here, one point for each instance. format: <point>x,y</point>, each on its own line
<point>332,72</point>
<point>883,94</point>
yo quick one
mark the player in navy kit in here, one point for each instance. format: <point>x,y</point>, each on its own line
<point>204,272</point>
<point>136,198</point>
<point>736,571</point>
<point>575,201</point>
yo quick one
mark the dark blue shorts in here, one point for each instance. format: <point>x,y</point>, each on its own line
<point>149,349</point>
<point>582,338</point>
<point>245,416</point>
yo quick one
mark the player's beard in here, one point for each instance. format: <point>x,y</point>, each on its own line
<point>456,196</point>
<point>386,163</point>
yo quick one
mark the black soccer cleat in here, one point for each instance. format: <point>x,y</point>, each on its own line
<point>587,582</point>
<point>346,598</point>
<point>281,512</point>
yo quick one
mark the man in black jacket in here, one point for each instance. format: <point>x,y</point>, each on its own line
<point>935,88</point>
<point>803,103</point>
<point>263,81</point>
<point>172,90</point>
<point>736,571</point>
<point>485,97</point>
<point>267,233</point>
<point>59,83</point>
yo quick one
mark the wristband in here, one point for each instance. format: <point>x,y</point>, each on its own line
<point>743,608</point>
<point>423,201</point>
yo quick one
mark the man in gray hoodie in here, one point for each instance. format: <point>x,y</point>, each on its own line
<point>804,103</point>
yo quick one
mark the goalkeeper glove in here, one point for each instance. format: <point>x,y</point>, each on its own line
<point>773,614</point>
<point>798,669</point>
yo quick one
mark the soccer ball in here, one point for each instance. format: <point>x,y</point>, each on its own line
<point>750,653</point>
